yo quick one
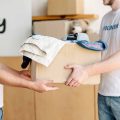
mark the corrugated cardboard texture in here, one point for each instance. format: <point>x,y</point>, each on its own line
<point>65,7</point>
<point>67,103</point>
<point>56,28</point>
<point>69,54</point>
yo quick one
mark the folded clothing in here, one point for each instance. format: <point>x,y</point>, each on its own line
<point>41,49</point>
<point>82,40</point>
<point>96,46</point>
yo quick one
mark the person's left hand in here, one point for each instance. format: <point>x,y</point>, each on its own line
<point>77,76</point>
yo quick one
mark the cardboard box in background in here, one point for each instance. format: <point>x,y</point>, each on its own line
<point>65,7</point>
<point>70,54</point>
<point>58,29</point>
<point>54,28</point>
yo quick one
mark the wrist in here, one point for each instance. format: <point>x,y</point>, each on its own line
<point>31,85</point>
<point>27,84</point>
<point>90,70</point>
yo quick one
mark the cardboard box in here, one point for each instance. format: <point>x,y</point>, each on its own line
<point>69,54</point>
<point>54,28</point>
<point>65,7</point>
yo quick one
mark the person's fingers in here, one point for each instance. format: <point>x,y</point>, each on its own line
<point>27,72</point>
<point>76,84</point>
<point>72,82</point>
<point>40,86</point>
<point>69,66</point>
<point>68,81</point>
<point>27,78</point>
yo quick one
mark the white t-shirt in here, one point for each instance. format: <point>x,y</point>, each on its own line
<point>110,33</point>
<point>1,96</point>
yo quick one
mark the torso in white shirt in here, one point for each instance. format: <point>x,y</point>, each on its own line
<point>110,33</point>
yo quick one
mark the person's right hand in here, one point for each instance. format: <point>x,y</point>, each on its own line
<point>77,76</point>
<point>43,85</point>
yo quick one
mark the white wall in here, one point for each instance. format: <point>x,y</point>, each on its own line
<point>91,6</point>
<point>18,25</point>
<point>96,7</point>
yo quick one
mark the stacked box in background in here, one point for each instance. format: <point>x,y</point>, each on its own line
<point>58,29</point>
<point>71,7</point>
<point>65,7</point>
<point>54,28</point>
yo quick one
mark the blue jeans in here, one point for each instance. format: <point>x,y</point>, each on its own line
<point>1,113</point>
<point>108,107</point>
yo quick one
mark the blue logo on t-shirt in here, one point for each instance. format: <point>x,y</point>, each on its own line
<point>111,27</point>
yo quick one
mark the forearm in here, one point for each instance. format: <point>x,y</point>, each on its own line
<point>9,76</point>
<point>110,64</point>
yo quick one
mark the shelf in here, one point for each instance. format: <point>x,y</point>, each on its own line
<point>71,17</point>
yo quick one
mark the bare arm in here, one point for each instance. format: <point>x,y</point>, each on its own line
<point>110,64</point>
<point>80,73</point>
<point>9,76</point>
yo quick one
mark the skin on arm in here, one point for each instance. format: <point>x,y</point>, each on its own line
<point>81,73</point>
<point>9,76</point>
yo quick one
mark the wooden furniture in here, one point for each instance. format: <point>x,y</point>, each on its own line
<point>65,17</point>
